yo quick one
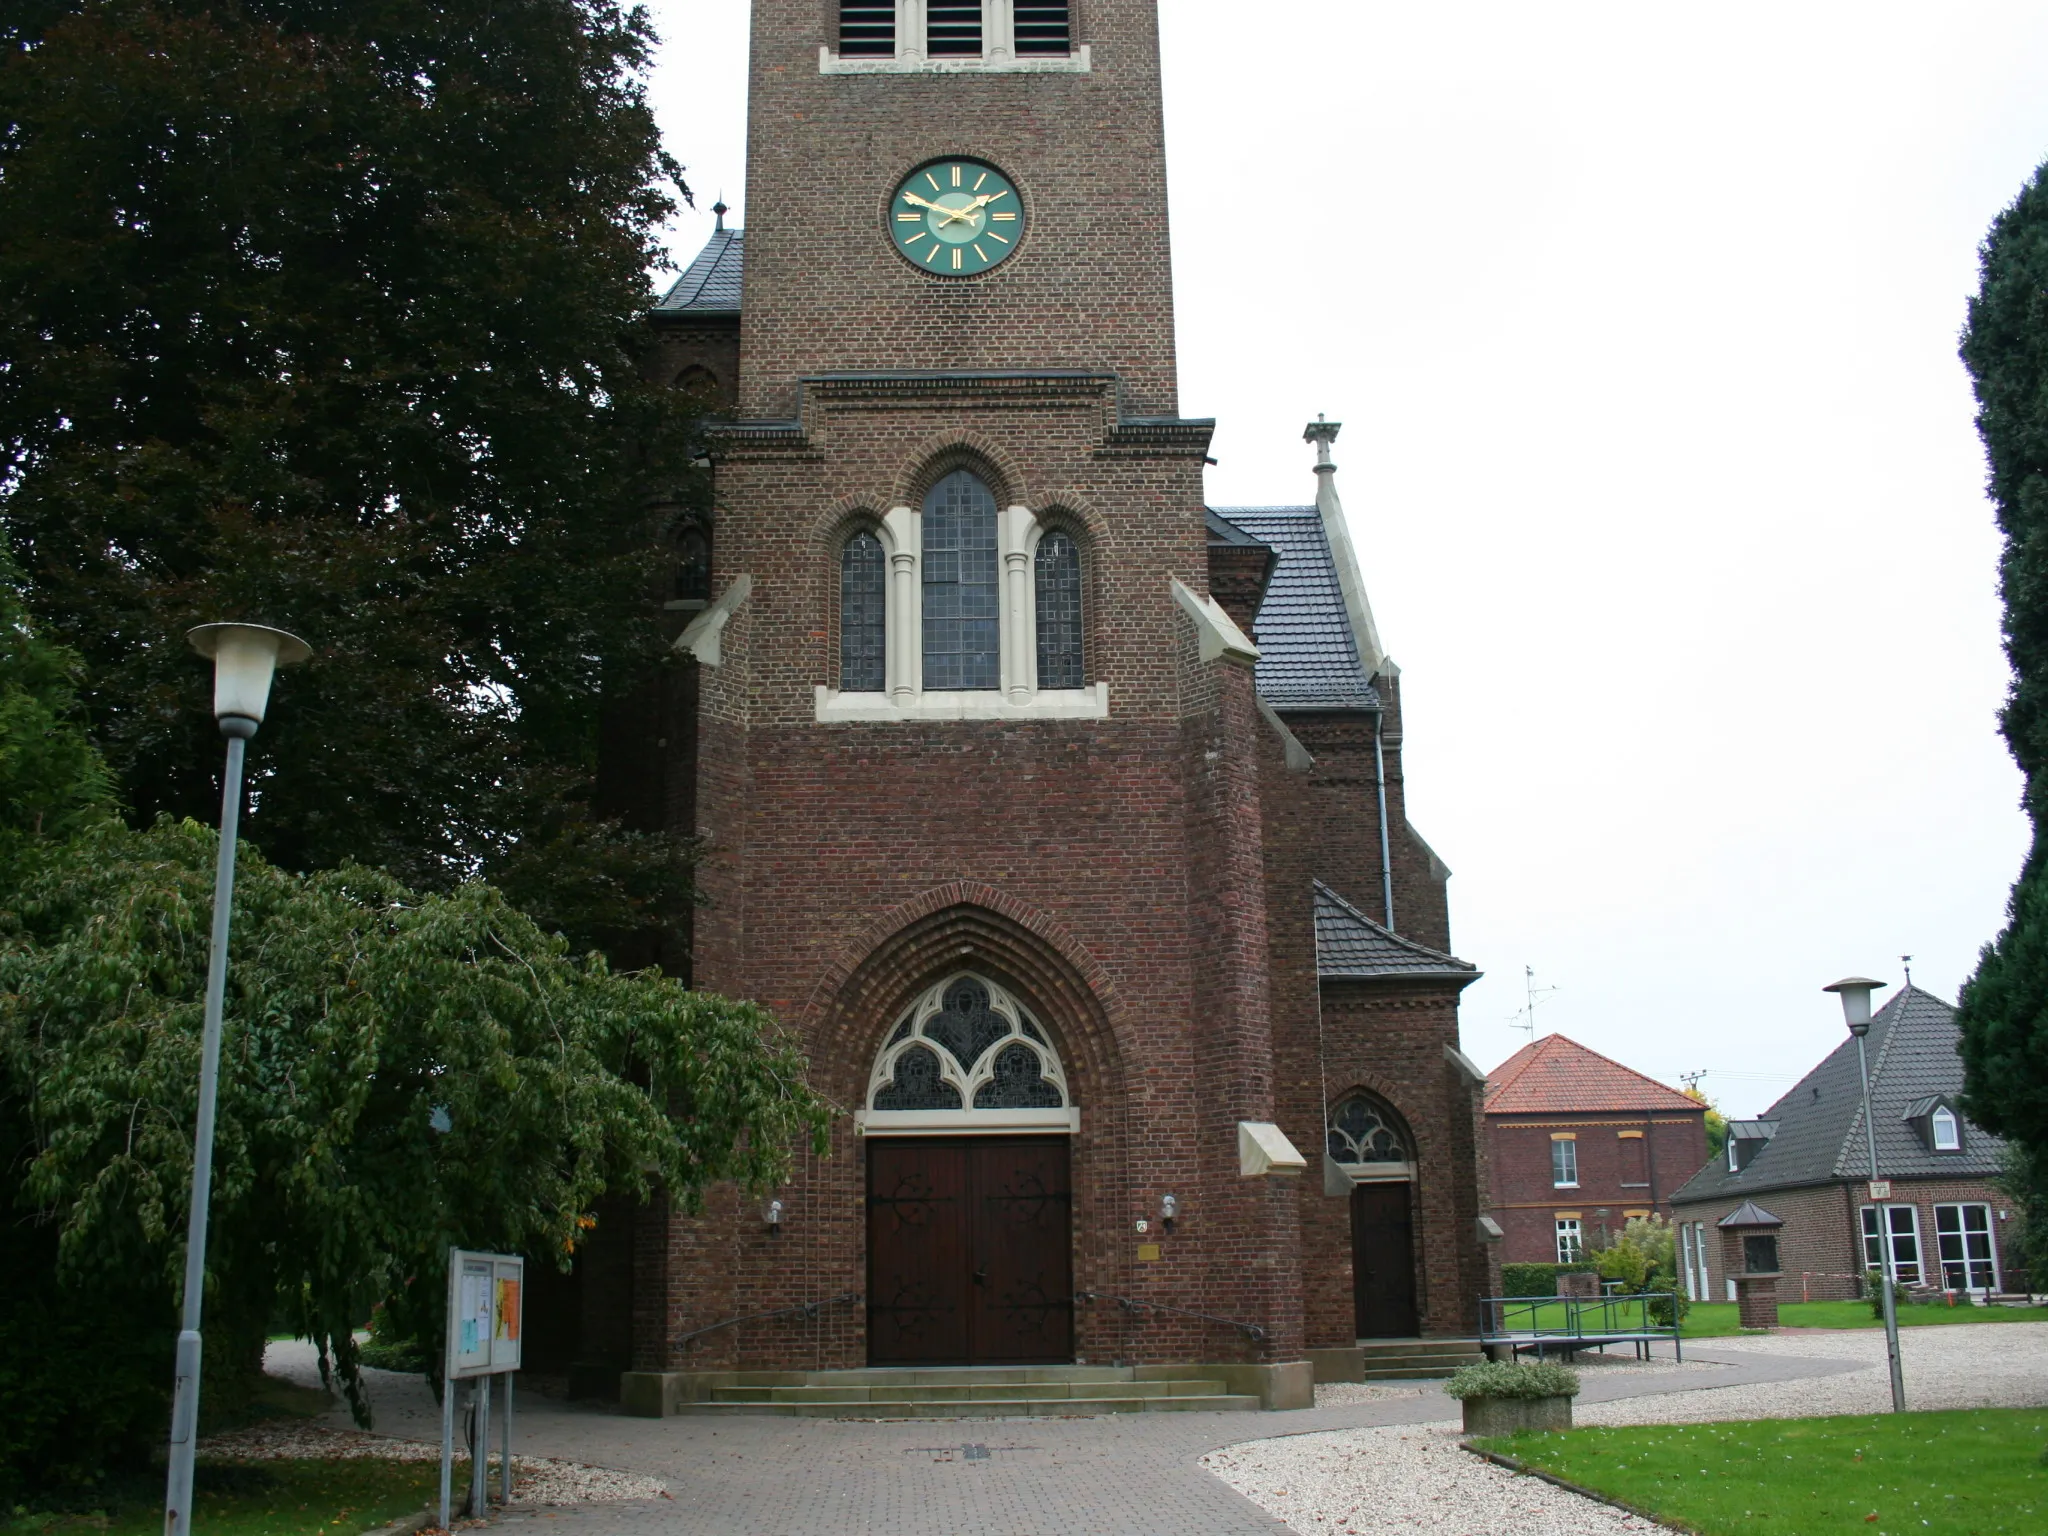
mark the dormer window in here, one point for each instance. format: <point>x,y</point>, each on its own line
<point>1936,1123</point>
<point>879,37</point>
<point>1746,1140</point>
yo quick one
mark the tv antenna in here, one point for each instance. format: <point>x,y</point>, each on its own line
<point>1525,1017</point>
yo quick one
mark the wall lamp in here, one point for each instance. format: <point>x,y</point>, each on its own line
<point>1168,1209</point>
<point>773,1215</point>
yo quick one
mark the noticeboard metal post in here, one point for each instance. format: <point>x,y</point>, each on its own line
<point>485,1334</point>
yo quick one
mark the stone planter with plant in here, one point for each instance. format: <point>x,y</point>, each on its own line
<point>1501,1398</point>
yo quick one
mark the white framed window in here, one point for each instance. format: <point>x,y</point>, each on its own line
<point>1564,1164</point>
<point>1892,1233</point>
<point>1571,1240</point>
<point>1693,1235</point>
<point>881,37</point>
<point>1948,1135</point>
<point>961,610</point>
<point>1963,1241</point>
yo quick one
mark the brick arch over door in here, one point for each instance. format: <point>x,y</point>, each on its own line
<point>967,926</point>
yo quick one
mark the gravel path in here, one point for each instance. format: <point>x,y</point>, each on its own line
<point>537,1481</point>
<point>1414,1479</point>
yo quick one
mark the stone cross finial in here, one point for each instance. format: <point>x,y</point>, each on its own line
<point>1322,433</point>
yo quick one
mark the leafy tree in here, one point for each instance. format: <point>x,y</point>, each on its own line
<point>2004,1006</point>
<point>1644,1257</point>
<point>1717,1123</point>
<point>325,315</point>
<point>400,1072</point>
<point>52,783</point>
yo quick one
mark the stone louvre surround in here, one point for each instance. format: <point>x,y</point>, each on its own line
<point>1140,881</point>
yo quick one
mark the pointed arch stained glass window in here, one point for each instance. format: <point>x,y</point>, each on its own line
<point>961,611</point>
<point>863,633</point>
<point>1057,578</point>
<point>1363,1130</point>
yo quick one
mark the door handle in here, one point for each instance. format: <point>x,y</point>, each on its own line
<point>981,1277</point>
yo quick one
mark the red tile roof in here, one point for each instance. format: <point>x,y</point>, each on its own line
<point>1555,1075</point>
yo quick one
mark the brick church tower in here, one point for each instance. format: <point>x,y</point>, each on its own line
<point>1089,907</point>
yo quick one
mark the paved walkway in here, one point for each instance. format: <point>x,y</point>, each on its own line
<point>1121,1475</point>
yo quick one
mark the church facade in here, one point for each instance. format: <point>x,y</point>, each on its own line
<point>1060,816</point>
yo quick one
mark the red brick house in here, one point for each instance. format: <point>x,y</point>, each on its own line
<point>1061,816</point>
<point>1936,1220</point>
<point>1577,1144</point>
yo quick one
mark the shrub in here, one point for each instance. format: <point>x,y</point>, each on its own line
<point>1499,1379</point>
<point>1536,1279</point>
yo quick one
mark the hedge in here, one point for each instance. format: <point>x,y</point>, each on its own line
<point>1537,1279</point>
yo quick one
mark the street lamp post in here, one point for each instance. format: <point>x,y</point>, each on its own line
<point>245,656</point>
<point>1855,994</point>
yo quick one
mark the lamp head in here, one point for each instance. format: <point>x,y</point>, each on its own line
<point>1855,994</point>
<point>245,657</point>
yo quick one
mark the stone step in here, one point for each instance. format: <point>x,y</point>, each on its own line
<point>1396,1349</point>
<point>992,1391</point>
<point>988,1408</point>
<point>1411,1372</point>
<point>936,1375</point>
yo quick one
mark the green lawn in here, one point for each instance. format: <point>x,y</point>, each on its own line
<point>1974,1473</point>
<point>270,1498</point>
<point>1715,1319</point>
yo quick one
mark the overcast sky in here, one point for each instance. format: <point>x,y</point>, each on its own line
<point>1641,322</point>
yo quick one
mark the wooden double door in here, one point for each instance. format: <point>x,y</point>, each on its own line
<point>970,1251</point>
<point>1383,1260</point>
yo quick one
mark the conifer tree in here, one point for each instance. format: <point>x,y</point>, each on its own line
<point>324,314</point>
<point>2005,347</point>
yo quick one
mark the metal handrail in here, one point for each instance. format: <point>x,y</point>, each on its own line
<point>805,1308</point>
<point>1139,1308</point>
<point>1494,1312</point>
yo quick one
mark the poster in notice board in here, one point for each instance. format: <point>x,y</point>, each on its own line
<point>486,1294</point>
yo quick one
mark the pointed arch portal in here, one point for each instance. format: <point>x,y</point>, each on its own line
<point>970,1230</point>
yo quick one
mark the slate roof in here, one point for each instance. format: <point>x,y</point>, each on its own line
<point>1557,1075</point>
<point>1912,1047</point>
<point>1350,945</point>
<point>1308,658</point>
<point>710,285</point>
<point>1750,1214</point>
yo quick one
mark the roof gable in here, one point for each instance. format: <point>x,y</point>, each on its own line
<point>1308,657</point>
<point>710,285</point>
<point>1557,1075</point>
<point>1820,1136</point>
<point>1351,945</point>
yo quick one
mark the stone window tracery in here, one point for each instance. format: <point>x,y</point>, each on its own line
<point>966,1044</point>
<point>1364,1130</point>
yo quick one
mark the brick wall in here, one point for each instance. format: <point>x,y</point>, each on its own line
<point>1116,874</point>
<point>1612,1175</point>
<point>1819,1247</point>
<point>1089,286</point>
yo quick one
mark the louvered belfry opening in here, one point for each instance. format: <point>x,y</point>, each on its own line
<point>1044,29</point>
<point>953,31</point>
<point>867,31</point>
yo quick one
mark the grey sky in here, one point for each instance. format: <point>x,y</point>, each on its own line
<point>1642,323</point>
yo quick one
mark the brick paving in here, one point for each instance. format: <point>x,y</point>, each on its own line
<point>1132,1475</point>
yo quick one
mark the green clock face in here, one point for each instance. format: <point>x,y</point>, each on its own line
<point>956,217</point>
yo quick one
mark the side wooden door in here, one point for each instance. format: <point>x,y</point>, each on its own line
<point>1383,1261</point>
<point>918,1218</point>
<point>1021,1300</point>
